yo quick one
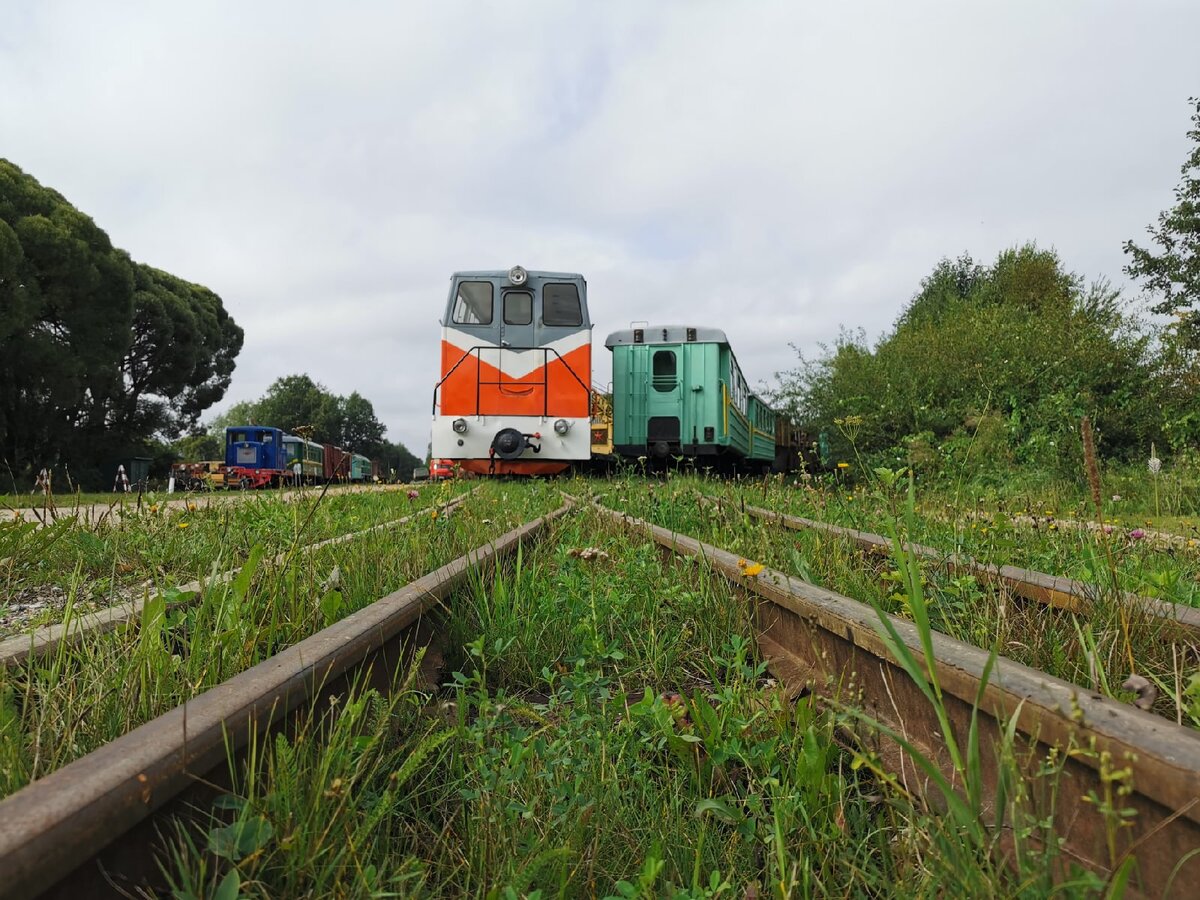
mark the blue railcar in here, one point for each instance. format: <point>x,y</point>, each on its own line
<point>255,456</point>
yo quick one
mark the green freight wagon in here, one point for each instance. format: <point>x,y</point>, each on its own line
<point>678,391</point>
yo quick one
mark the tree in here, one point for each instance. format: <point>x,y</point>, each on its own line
<point>298,404</point>
<point>1015,352</point>
<point>199,446</point>
<point>1173,273</point>
<point>360,430</point>
<point>98,353</point>
<point>244,412</point>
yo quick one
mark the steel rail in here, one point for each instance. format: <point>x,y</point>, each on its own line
<point>1052,590</point>
<point>818,641</point>
<point>48,638</point>
<point>55,825</point>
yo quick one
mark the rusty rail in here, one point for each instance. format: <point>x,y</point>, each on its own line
<point>50,829</point>
<point>1052,590</point>
<point>819,641</point>
<point>47,639</point>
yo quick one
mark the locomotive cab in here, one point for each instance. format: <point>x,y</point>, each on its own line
<point>513,395</point>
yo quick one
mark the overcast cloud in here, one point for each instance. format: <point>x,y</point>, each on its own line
<point>773,169</point>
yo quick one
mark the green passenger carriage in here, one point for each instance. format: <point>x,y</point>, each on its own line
<point>360,468</point>
<point>679,391</point>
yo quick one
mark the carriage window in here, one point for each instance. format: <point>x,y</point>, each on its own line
<point>237,437</point>
<point>518,308</point>
<point>473,305</point>
<point>664,371</point>
<point>560,305</point>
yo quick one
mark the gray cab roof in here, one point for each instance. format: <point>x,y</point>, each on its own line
<point>533,273</point>
<point>667,334</point>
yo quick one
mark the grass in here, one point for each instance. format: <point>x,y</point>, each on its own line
<point>1089,651</point>
<point>607,730</point>
<point>55,709</point>
<point>160,546</point>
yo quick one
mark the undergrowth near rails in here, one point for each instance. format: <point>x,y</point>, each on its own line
<point>1090,650</point>
<point>56,708</point>
<point>80,566</point>
<point>607,730</point>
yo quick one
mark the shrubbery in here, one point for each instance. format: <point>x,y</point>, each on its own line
<point>994,366</point>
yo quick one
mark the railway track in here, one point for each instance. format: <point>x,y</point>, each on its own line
<point>82,830</point>
<point>1051,590</point>
<point>821,642</point>
<point>96,513</point>
<point>48,639</point>
<point>85,828</point>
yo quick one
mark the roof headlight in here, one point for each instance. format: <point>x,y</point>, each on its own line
<point>459,426</point>
<point>517,276</point>
<point>562,426</point>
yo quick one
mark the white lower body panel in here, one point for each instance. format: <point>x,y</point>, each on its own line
<point>476,442</point>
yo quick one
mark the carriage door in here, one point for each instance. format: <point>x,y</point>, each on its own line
<point>521,374</point>
<point>664,409</point>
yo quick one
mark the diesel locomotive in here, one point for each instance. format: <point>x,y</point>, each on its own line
<point>514,392</point>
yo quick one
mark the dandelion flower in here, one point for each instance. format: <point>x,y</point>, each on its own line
<point>183,524</point>
<point>754,568</point>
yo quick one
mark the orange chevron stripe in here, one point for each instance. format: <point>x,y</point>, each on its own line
<point>561,395</point>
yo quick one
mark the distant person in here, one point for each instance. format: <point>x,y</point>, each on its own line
<point>297,471</point>
<point>121,482</point>
<point>43,482</point>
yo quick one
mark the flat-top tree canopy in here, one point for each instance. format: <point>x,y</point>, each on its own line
<point>97,352</point>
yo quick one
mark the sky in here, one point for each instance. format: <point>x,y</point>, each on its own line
<point>779,170</point>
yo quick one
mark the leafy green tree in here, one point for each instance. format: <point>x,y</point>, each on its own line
<point>1173,273</point>
<point>98,353</point>
<point>199,446</point>
<point>1016,352</point>
<point>244,412</point>
<point>359,427</point>
<point>299,405</point>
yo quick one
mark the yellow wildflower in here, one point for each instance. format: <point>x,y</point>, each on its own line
<point>843,465</point>
<point>183,524</point>
<point>433,514</point>
<point>742,563</point>
<point>192,507</point>
<point>153,507</point>
<point>754,568</point>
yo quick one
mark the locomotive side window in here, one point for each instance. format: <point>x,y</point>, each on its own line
<point>237,437</point>
<point>560,305</point>
<point>473,305</point>
<point>664,370</point>
<point>518,308</point>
